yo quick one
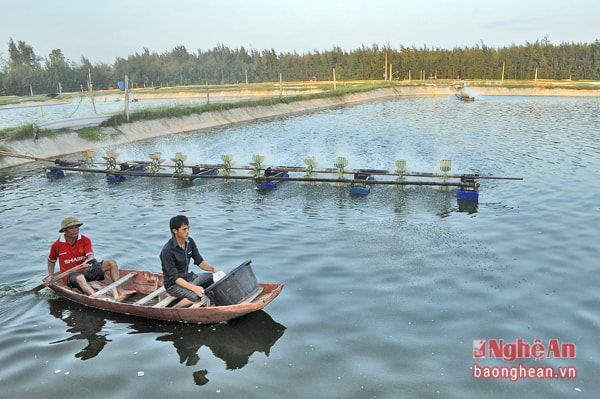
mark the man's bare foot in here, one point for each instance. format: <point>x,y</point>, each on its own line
<point>184,303</point>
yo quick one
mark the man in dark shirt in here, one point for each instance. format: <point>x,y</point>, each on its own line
<point>175,258</point>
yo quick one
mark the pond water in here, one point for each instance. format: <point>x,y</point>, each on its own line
<point>384,294</point>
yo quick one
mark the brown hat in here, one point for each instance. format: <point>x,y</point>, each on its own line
<point>69,221</point>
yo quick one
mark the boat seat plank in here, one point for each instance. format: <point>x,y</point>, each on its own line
<point>166,301</point>
<point>115,284</point>
<point>204,301</point>
<point>150,296</point>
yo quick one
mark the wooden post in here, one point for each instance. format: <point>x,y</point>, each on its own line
<point>503,66</point>
<point>390,72</point>
<point>385,68</point>
<point>334,82</point>
<point>90,89</point>
<point>207,94</point>
<point>246,76</point>
<point>127,98</point>
<point>280,85</point>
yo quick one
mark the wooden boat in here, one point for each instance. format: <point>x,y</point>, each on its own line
<point>464,97</point>
<point>151,300</point>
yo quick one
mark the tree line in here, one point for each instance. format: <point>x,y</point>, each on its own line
<point>23,72</point>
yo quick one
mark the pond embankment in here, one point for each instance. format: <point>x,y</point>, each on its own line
<point>70,143</point>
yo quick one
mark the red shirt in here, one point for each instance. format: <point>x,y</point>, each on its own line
<point>70,256</point>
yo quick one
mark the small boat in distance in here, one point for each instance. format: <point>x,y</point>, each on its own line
<point>464,97</point>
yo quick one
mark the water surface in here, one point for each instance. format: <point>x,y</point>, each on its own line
<point>384,294</point>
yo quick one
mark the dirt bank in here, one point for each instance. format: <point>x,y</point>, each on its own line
<point>71,143</point>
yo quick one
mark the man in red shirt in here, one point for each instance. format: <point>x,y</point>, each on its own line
<point>72,249</point>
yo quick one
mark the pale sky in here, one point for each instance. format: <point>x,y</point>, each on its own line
<point>102,30</point>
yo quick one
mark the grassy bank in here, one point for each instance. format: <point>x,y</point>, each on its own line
<point>260,94</point>
<point>10,100</point>
<point>247,103</point>
<point>323,90</point>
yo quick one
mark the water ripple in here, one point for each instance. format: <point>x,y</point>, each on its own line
<point>384,294</point>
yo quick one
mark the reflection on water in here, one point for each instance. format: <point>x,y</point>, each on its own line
<point>437,201</point>
<point>467,206</point>
<point>84,324</point>
<point>234,342</point>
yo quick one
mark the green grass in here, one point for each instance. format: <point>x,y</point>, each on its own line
<point>180,111</point>
<point>93,133</point>
<point>11,100</point>
<point>17,133</point>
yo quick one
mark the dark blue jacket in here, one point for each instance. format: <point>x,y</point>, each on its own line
<point>175,261</point>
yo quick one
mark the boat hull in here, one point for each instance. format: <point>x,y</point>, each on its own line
<point>147,282</point>
<point>465,97</point>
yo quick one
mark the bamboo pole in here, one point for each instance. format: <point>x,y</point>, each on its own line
<point>24,156</point>
<point>300,169</point>
<point>269,178</point>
